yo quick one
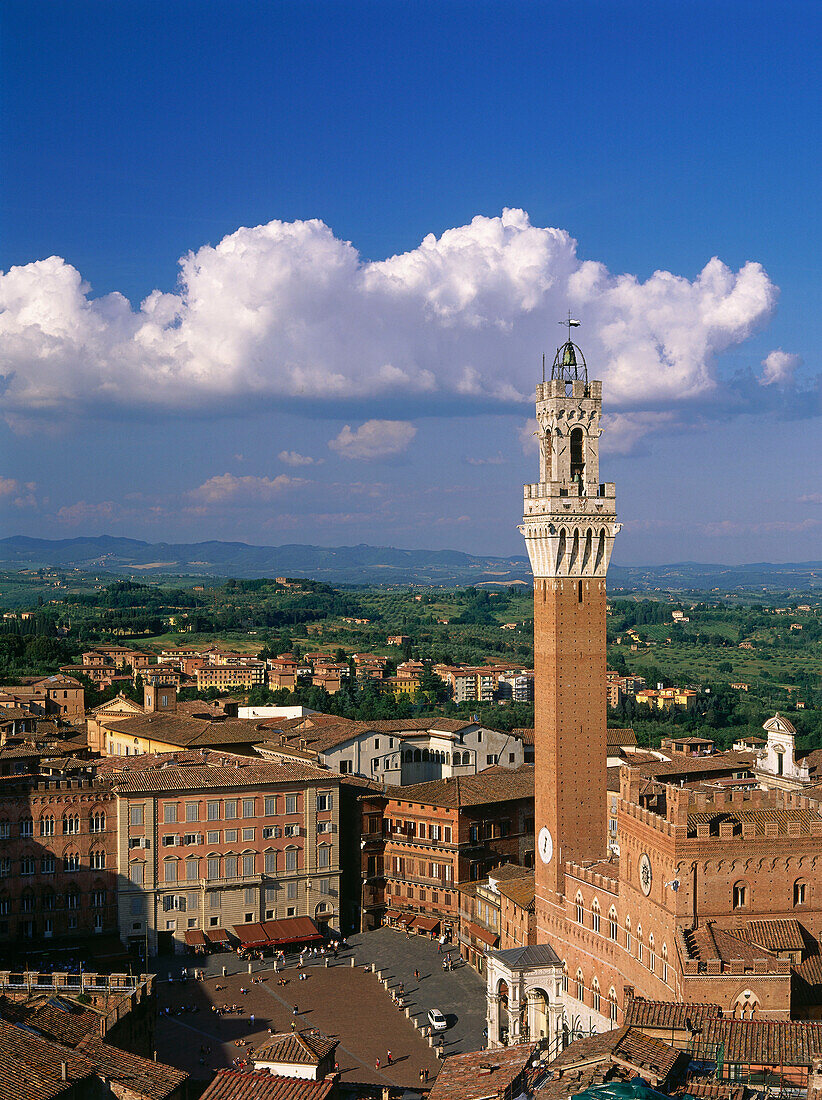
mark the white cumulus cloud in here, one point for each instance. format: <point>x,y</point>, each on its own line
<point>230,489</point>
<point>778,367</point>
<point>294,458</point>
<point>374,439</point>
<point>288,311</point>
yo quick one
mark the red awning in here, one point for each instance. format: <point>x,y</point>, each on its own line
<point>391,914</point>
<point>291,930</point>
<point>217,935</point>
<point>426,924</point>
<point>251,935</point>
<point>195,938</point>
<point>405,918</point>
<point>482,934</point>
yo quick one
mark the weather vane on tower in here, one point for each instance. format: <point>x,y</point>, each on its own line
<point>571,323</point>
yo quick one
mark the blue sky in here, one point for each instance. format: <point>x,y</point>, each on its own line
<point>355,295</point>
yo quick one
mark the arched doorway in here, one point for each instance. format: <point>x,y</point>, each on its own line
<point>502,993</point>
<point>538,1026</point>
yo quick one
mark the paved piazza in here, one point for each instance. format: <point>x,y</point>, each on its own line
<point>342,1001</point>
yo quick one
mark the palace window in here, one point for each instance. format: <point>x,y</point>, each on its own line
<point>740,895</point>
<point>613,928</point>
<point>595,915</point>
<point>579,910</point>
<point>580,986</point>
<point>800,892</point>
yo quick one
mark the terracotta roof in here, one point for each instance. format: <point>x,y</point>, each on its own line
<point>205,775</point>
<point>520,891</point>
<point>592,1048</point>
<point>232,1084</point>
<point>777,935</point>
<point>619,738</point>
<point>727,944</point>
<point>525,734</point>
<point>30,1067</point>
<point>651,1057</point>
<point>326,731</point>
<point>702,765</point>
<point>188,731</point>
<point>669,1014</point>
<point>152,1080</point>
<point>803,817</point>
<point>625,1046</point>
<point>481,1073</point>
<point>62,1021</point>
<point>765,1042</point>
<point>299,1048</point>
<point>492,785</point>
<point>808,988</point>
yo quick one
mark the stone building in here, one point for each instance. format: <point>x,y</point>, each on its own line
<point>217,842</point>
<point>396,751</point>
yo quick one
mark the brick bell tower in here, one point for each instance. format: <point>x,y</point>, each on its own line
<point>569,524</point>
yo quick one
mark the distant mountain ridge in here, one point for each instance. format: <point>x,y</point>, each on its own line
<point>365,564</point>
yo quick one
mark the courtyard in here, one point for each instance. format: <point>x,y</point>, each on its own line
<point>345,1002</point>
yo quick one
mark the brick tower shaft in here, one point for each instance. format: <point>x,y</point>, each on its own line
<point>569,525</point>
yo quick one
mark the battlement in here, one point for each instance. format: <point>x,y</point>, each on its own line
<point>721,814</point>
<point>39,785</point>
<point>595,875</point>
<point>556,387</point>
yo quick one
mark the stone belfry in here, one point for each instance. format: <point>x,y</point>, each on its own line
<point>569,524</point>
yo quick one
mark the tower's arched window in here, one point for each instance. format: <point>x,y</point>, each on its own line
<point>577,453</point>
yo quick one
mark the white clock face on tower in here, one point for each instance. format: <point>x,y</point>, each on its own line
<point>546,845</point>
<point>646,876</point>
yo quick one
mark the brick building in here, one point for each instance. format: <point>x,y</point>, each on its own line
<point>453,831</point>
<point>61,696</point>
<point>710,893</point>
<point>58,882</point>
<point>223,842</point>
